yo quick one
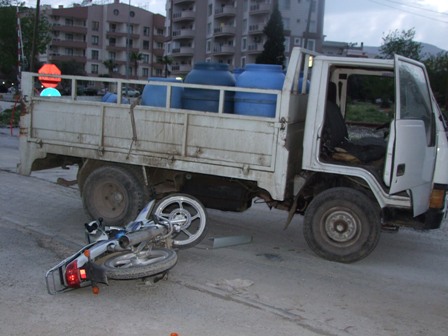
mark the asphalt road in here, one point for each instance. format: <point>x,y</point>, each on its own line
<point>272,286</point>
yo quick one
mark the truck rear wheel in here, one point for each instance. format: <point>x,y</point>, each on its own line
<point>342,225</point>
<point>114,194</point>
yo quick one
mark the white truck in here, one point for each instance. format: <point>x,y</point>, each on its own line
<point>362,148</point>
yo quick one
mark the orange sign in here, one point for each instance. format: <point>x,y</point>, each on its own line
<point>49,69</point>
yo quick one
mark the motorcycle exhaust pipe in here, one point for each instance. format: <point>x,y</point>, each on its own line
<point>134,238</point>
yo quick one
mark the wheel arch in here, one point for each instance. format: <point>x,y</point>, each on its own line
<point>320,182</point>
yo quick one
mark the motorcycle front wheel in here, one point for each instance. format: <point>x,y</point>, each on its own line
<point>130,265</point>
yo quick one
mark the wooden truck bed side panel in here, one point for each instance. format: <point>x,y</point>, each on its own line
<point>186,135</point>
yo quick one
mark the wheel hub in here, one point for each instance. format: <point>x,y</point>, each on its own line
<point>183,216</point>
<point>341,226</point>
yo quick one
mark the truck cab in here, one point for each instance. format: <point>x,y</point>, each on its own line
<point>374,133</point>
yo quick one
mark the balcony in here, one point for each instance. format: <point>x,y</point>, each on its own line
<point>186,15</point>
<point>183,51</point>
<point>179,69</point>
<point>77,44</point>
<point>69,29</point>
<point>178,2</point>
<point>224,31</point>
<point>223,50</point>
<point>67,58</point>
<point>260,9</point>
<point>183,34</point>
<point>116,33</point>
<point>255,48</point>
<point>256,29</point>
<point>226,11</point>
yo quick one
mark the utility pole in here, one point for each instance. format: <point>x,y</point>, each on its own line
<point>35,35</point>
<point>307,31</point>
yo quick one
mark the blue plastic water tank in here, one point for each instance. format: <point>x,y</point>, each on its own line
<point>112,98</point>
<point>260,76</point>
<point>155,95</point>
<point>208,100</point>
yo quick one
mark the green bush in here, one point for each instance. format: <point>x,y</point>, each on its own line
<point>5,117</point>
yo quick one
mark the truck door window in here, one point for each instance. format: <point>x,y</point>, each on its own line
<point>415,100</point>
<point>370,99</point>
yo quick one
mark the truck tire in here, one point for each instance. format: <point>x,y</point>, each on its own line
<point>130,265</point>
<point>114,194</point>
<point>342,224</point>
<point>190,212</point>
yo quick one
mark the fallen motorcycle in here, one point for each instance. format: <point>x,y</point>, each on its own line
<point>143,248</point>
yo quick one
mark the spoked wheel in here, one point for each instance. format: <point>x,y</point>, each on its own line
<point>129,265</point>
<point>342,224</point>
<point>189,213</point>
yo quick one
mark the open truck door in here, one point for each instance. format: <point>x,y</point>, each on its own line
<point>411,151</point>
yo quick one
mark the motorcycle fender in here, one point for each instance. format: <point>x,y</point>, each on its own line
<point>96,273</point>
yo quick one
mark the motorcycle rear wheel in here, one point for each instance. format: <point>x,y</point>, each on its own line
<point>129,265</point>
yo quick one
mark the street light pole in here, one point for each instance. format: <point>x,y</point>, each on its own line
<point>128,42</point>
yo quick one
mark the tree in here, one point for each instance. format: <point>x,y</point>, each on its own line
<point>437,67</point>
<point>401,43</point>
<point>8,37</point>
<point>110,65</point>
<point>43,37</point>
<point>8,41</point>
<point>274,47</point>
<point>166,60</point>
<point>135,57</point>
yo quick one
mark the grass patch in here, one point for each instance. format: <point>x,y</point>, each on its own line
<point>368,113</point>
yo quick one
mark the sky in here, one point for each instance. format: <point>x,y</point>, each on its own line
<point>353,21</point>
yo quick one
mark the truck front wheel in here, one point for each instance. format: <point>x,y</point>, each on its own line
<point>342,225</point>
<point>114,194</point>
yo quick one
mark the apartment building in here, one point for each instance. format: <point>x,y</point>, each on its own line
<point>101,37</point>
<point>231,31</point>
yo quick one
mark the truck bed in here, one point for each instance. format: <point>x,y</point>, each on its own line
<point>228,145</point>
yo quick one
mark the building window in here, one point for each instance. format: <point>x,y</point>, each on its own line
<point>145,58</point>
<point>68,22</point>
<point>297,41</point>
<point>113,27</point>
<point>145,72</point>
<point>112,41</point>
<point>160,31</point>
<point>210,9</point>
<point>159,45</point>
<point>95,39</point>
<point>244,44</point>
<point>95,25</point>
<point>146,45</point>
<point>69,37</point>
<point>95,54</point>
<point>209,46</point>
<point>69,51</point>
<point>132,13</point>
<point>311,45</point>
<point>116,12</point>
<point>112,56</point>
<point>146,31</point>
<point>94,68</point>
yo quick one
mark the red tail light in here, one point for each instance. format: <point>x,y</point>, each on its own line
<point>72,275</point>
